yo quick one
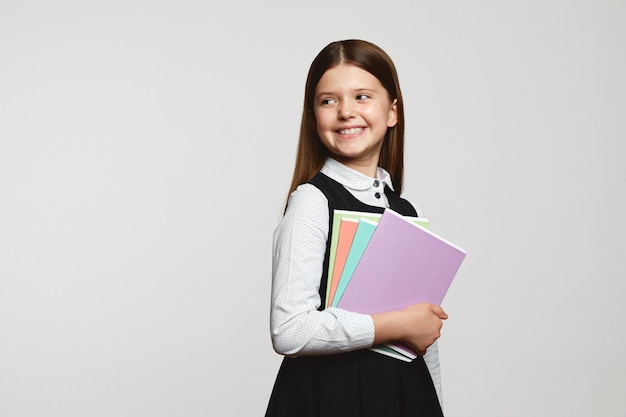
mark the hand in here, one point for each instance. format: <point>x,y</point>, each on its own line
<point>423,324</point>
<point>418,325</point>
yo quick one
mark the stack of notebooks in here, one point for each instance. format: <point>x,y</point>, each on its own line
<point>384,262</point>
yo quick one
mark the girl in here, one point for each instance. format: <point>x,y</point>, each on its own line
<point>351,147</point>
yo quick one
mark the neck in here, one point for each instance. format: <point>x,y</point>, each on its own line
<point>366,167</point>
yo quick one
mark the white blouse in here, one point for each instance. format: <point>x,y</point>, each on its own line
<point>299,245</point>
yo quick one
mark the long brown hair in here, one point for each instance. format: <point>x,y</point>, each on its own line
<point>311,153</point>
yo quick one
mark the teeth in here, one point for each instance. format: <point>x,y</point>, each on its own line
<point>352,131</point>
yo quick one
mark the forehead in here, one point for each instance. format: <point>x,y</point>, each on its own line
<point>347,77</point>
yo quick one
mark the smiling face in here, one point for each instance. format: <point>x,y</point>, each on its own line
<point>352,112</point>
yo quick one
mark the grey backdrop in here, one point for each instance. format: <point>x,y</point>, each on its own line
<point>145,153</point>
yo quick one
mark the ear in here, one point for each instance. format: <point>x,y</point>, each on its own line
<point>393,114</point>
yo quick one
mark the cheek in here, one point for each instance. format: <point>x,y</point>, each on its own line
<point>375,115</point>
<point>322,120</point>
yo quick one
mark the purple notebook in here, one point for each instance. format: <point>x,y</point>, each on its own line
<point>403,264</point>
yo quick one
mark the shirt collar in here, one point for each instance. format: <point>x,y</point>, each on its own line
<point>353,179</point>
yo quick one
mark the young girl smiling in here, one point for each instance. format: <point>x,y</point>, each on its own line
<point>350,157</point>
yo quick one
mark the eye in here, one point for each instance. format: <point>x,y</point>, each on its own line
<point>362,96</point>
<point>327,101</point>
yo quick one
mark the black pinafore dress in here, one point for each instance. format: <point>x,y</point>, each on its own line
<point>361,383</point>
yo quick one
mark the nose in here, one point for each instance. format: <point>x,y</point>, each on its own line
<point>347,110</point>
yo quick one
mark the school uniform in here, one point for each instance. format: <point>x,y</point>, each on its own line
<point>328,369</point>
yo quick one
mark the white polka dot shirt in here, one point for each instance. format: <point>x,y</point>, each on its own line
<point>299,245</point>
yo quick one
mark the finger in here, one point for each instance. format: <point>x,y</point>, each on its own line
<point>438,311</point>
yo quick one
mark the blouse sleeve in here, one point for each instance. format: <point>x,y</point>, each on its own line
<point>299,246</point>
<point>431,358</point>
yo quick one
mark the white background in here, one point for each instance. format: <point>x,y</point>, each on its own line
<point>146,148</point>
